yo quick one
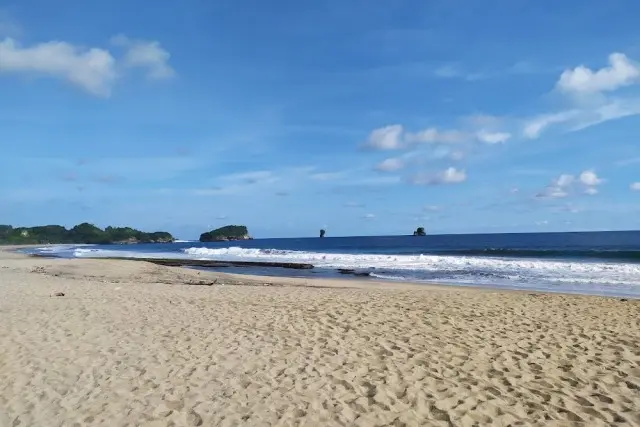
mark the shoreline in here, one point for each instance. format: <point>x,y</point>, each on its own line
<point>345,280</point>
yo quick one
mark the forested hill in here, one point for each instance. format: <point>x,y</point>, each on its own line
<point>82,233</point>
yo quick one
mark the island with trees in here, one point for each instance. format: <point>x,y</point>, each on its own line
<point>226,233</point>
<point>81,233</point>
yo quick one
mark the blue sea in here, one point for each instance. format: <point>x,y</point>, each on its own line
<point>601,263</point>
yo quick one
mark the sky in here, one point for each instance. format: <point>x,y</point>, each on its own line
<point>361,117</point>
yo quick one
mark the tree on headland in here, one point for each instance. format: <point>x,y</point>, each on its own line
<point>322,232</point>
<point>419,232</point>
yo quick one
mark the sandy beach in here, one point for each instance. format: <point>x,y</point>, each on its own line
<point>136,344</point>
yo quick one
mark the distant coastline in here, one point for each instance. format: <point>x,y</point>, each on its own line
<point>84,233</point>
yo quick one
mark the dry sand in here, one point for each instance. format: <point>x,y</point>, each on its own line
<point>131,344</point>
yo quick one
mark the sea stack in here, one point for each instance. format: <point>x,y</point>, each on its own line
<point>322,233</point>
<point>419,232</point>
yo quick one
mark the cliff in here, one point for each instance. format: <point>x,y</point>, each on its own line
<point>226,233</point>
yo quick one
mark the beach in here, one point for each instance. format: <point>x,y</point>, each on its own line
<point>132,343</point>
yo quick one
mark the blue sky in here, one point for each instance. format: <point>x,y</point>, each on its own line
<point>362,117</point>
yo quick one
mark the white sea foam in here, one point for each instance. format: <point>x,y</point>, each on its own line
<point>108,253</point>
<point>528,273</point>
<point>457,268</point>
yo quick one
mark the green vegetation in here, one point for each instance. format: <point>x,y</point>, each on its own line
<point>229,232</point>
<point>82,233</point>
<point>419,232</point>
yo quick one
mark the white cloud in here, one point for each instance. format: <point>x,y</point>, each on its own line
<point>431,208</point>
<point>567,184</point>
<point>591,191</point>
<point>385,138</point>
<point>587,95</point>
<point>390,165</point>
<point>564,180</point>
<point>635,186</point>
<point>449,176</point>
<point>620,72</point>
<point>558,188</point>
<point>433,135</point>
<point>453,175</point>
<point>148,55</point>
<point>534,127</point>
<point>553,192</point>
<point>447,72</point>
<point>369,216</point>
<point>493,137</point>
<point>590,178</point>
<point>92,69</point>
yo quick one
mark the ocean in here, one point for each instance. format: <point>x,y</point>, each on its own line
<point>599,263</point>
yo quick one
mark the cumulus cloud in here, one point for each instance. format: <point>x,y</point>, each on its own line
<point>448,176</point>
<point>493,137</point>
<point>148,55</point>
<point>586,91</point>
<point>433,135</point>
<point>564,180</point>
<point>566,184</point>
<point>620,72</point>
<point>390,165</point>
<point>559,187</point>
<point>590,178</point>
<point>385,138</point>
<point>92,69</point>
<point>635,186</point>
<point>591,191</point>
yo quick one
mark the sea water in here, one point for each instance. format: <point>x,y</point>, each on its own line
<point>602,263</point>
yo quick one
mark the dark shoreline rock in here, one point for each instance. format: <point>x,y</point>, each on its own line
<point>354,272</point>
<point>212,263</point>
